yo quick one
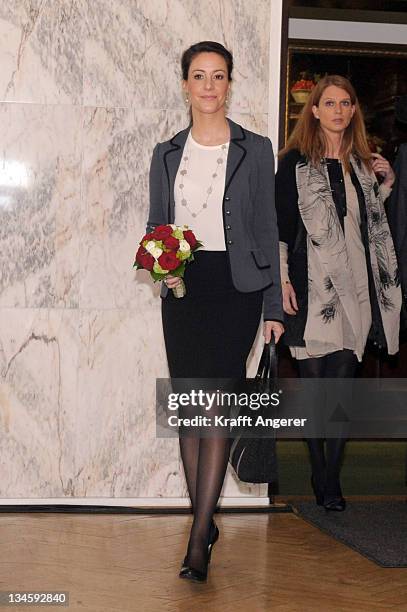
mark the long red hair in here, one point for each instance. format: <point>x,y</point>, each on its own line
<point>309,138</point>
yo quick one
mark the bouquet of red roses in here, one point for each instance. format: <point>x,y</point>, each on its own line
<point>166,251</point>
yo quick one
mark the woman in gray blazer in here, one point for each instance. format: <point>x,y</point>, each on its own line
<point>217,178</point>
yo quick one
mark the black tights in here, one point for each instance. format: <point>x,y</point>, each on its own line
<point>326,466</point>
<point>205,455</point>
<point>205,461</point>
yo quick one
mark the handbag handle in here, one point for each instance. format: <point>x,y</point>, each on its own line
<point>268,361</point>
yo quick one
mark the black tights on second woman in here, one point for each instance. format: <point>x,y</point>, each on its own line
<point>326,462</point>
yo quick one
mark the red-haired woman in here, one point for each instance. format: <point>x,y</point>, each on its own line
<point>338,266</point>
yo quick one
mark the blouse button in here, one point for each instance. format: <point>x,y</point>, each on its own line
<point>230,241</point>
<point>228,227</point>
<point>227,198</point>
<point>227,212</point>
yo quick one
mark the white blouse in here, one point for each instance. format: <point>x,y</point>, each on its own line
<point>198,190</point>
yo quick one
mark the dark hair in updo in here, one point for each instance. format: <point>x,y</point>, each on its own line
<point>206,46</point>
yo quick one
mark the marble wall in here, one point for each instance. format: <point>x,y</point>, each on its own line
<point>86,89</point>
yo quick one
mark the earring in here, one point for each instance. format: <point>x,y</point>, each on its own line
<point>186,99</point>
<point>227,101</point>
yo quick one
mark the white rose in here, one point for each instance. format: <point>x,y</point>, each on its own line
<point>156,252</point>
<point>184,246</point>
<point>174,227</point>
<point>150,246</point>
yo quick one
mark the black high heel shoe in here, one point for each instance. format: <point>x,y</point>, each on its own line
<point>334,500</point>
<point>318,492</point>
<point>213,538</point>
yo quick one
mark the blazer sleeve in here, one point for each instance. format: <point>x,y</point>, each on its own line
<point>266,232</point>
<point>156,212</point>
<point>287,198</point>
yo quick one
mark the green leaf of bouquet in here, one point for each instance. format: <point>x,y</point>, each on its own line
<point>155,276</point>
<point>179,271</point>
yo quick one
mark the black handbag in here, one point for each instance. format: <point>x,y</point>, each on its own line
<point>255,459</point>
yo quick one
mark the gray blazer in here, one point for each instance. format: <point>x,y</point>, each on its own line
<point>249,216</point>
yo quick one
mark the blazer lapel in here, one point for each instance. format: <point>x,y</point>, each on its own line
<point>172,160</point>
<point>237,152</point>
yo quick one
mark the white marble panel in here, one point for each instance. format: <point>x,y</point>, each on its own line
<point>251,56</point>
<point>41,51</point>
<point>121,355</point>
<point>81,342</point>
<point>118,145</point>
<point>255,122</point>
<point>40,164</point>
<point>133,49</point>
<point>38,370</point>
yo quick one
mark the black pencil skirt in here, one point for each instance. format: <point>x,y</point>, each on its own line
<point>210,331</point>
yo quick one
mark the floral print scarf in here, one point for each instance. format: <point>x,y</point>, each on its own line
<point>331,288</point>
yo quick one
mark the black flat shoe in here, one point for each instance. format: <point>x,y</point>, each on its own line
<point>335,505</point>
<point>318,492</point>
<point>213,538</point>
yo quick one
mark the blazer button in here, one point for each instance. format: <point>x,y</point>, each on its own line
<point>227,212</point>
<point>227,199</point>
<point>228,227</point>
<point>230,241</point>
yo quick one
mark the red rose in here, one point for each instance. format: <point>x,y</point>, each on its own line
<point>169,261</point>
<point>161,232</point>
<point>190,238</point>
<point>147,237</point>
<point>171,243</point>
<point>140,252</point>
<point>144,259</point>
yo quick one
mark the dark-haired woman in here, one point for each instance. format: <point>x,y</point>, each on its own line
<point>338,266</point>
<point>215,177</point>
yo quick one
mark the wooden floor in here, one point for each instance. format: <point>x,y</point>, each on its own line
<point>123,563</point>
